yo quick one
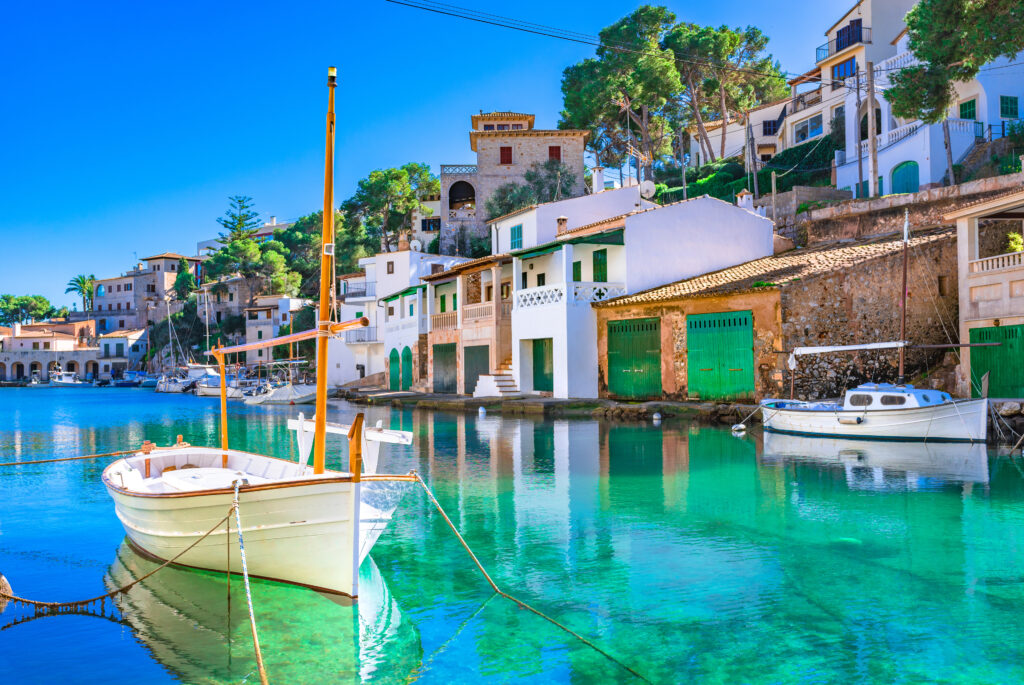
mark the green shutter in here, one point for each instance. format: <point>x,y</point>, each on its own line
<point>634,358</point>
<point>577,271</point>
<point>720,355</point>
<point>406,368</point>
<point>1009,107</point>
<point>394,370</point>
<point>443,304</point>
<point>410,309</point>
<point>517,237</point>
<point>445,374</point>
<point>1005,372</point>
<point>477,363</point>
<point>541,280</point>
<point>455,302</point>
<point>524,281</point>
<point>905,178</point>
<point>600,266</point>
<point>543,366</point>
<point>968,110</point>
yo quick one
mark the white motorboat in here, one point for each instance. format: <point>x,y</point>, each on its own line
<point>287,394</point>
<point>873,411</point>
<point>209,386</point>
<point>300,527</point>
<point>149,381</point>
<point>186,378</point>
<point>67,379</point>
<point>173,383</point>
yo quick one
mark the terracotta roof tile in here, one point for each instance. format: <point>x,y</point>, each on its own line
<point>463,267</point>
<point>781,269</point>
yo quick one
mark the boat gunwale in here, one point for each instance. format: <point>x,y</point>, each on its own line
<point>763,405</point>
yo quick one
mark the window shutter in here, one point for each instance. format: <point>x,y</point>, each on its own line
<point>555,152</point>
<point>506,155</point>
<point>600,266</point>
<point>577,271</point>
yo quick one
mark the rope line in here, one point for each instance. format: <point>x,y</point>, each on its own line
<point>521,603</point>
<point>248,592</point>
<point>86,456</point>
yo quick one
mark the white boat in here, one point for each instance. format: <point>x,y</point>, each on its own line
<point>287,394</point>
<point>300,527</point>
<point>67,379</point>
<point>209,386</point>
<point>173,383</point>
<point>149,381</point>
<point>882,411</point>
<point>186,378</point>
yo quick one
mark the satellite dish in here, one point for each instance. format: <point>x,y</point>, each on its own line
<point>415,245</point>
<point>647,189</point>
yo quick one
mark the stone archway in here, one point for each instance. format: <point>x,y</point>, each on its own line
<point>53,368</point>
<point>461,195</point>
<point>71,366</point>
<point>3,371</point>
<point>92,369</point>
<point>18,371</point>
<point>36,369</point>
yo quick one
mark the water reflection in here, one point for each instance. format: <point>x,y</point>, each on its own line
<point>195,624</point>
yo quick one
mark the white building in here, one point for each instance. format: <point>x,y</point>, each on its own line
<point>364,351</point>
<point>911,154</point>
<point>263,233</point>
<point>264,319</point>
<point>561,265</point>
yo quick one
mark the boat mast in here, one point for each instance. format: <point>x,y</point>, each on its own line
<point>326,285</point>
<point>903,296</point>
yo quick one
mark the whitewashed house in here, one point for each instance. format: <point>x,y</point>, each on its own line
<point>264,320</point>
<point>365,352</point>
<point>561,267</point>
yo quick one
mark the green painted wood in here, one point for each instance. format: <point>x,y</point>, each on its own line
<point>1005,372</point>
<point>906,178</point>
<point>634,358</point>
<point>394,369</point>
<point>600,258</point>
<point>720,355</point>
<point>477,363</point>
<point>543,366</point>
<point>406,368</point>
<point>445,370</point>
<point>577,271</point>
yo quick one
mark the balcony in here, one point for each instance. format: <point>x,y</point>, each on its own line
<point>849,35</point>
<point>573,293</point>
<point>1012,260</point>
<point>463,169</point>
<point>596,292</point>
<point>805,100</point>
<point>362,336</point>
<point>359,289</point>
<point>444,321</point>
<point>472,313</point>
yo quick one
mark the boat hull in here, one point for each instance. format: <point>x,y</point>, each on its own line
<point>957,421</point>
<point>214,391</point>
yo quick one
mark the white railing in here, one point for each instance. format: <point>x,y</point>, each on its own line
<point>891,137</point>
<point>1012,260</point>
<point>445,321</point>
<point>539,296</point>
<point>474,312</point>
<point>361,335</point>
<point>596,292</point>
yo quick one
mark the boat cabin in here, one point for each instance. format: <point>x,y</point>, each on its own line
<point>877,396</point>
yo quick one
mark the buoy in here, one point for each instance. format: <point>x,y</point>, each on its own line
<point>656,418</point>
<point>482,411</point>
<point>739,428</point>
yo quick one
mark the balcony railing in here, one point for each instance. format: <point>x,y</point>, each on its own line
<point>805,100</point>
<point>539,296</point>
<point>362,335</point>
<point>445,321</point>
<point>1012,260</point>
<point>475,312</point>
<point>596,292</point>
<point>884,140</point>
<point>845,37</point>
<point>458,169</point>
<point>360,289</point>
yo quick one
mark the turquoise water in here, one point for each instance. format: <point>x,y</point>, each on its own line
<point>688,553</point>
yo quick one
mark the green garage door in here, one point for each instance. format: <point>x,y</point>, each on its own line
<point>478,363</point>
<point>394,369</point>
<point>445,373</point>
<point>1005,372</point>
<point>543,366</point>
<point>720,356</point>
<point>634,358</point>
<point>906,178</point>
<point>406,368</point>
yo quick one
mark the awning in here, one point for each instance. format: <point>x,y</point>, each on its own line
<point>611,237</point>
<point>408,291</point>
<point>538,251</point>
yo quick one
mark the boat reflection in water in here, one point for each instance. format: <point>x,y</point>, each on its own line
<point>188,623</point>
<point>874,465</point>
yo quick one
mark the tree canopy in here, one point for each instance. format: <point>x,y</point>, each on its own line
<point>85,287</point>
<point>545,182</point>
<point>26,308</point>
<point>240,221</point>
<point>185,281</point>
<point>384,202</point>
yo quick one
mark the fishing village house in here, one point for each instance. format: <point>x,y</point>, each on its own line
<point>219,300</point>
<point>44,348</point>
<point>264,320</point>
<point>121,351</point>
<point>384,293</point>
<point>470,340</point>
<point>139,297</point>
<point>991,294</point>
<point>506,146</point>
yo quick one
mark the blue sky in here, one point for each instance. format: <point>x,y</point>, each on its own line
<point>124,126</point>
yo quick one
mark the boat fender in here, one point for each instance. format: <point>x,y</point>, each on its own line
<point>482,411</point>
<point>851,420</point>
<point>739,428</point>
<point>656,418</point>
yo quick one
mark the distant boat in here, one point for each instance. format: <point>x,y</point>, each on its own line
<point>67,379</point>
<point>287,394</point>
<point>185,378</point>
<point>149,382</point>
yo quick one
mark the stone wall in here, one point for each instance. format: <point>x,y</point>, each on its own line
<point>882,215</point>
<point>861,305</point>
<point>788,202</point>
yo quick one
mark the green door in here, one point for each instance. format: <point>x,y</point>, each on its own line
<point>634,358</point>
<point>905,178</point>
<point>600,266</point>
<point>406,368</point>
<point>445,374</point>
<point>393,370</point>
<point>543,367</point>
<point>1005,372</point>
<point>477,363</point>
<point>720,356</point>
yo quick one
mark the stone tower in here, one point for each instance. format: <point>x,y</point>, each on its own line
<point>506,146</point>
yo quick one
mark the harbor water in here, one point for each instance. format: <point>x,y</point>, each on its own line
<point>686,552</point>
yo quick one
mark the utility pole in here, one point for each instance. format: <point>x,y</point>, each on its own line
<point>872,133</point>
<point>856,137</point>
<point>753,154</point>
<point>682,161</point>
<point>774,215</point>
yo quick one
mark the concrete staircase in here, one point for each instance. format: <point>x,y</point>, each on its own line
<point>500,384</point>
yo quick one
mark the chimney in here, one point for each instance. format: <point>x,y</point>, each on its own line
<point>273,221</point>
<point>403,241</point>
<point>16,326</point>
<point>563,224</point>
<point>745,199</point>
<point>597,179</point>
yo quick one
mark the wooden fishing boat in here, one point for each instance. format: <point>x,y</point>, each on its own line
<point>305,525</point>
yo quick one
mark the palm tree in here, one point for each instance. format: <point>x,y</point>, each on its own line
<point>84,286</point>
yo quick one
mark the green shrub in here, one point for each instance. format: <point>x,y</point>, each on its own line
<point>1014,242</point>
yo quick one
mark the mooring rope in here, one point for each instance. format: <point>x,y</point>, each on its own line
<point>85,456</point>
<point>248,592</point>
<point>521,603</point>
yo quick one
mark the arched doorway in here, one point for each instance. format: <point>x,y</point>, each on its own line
<point>461,196</point>
<point>393,370</point>
<point>864,122</point>
<point>906,178</point>
<point>92,370</point>
<point>36,369</point>
<point>3,371</point>
<point>406,368</point>
<point>71,367</point>
<point>18,371</point>
<point>53,368</point>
